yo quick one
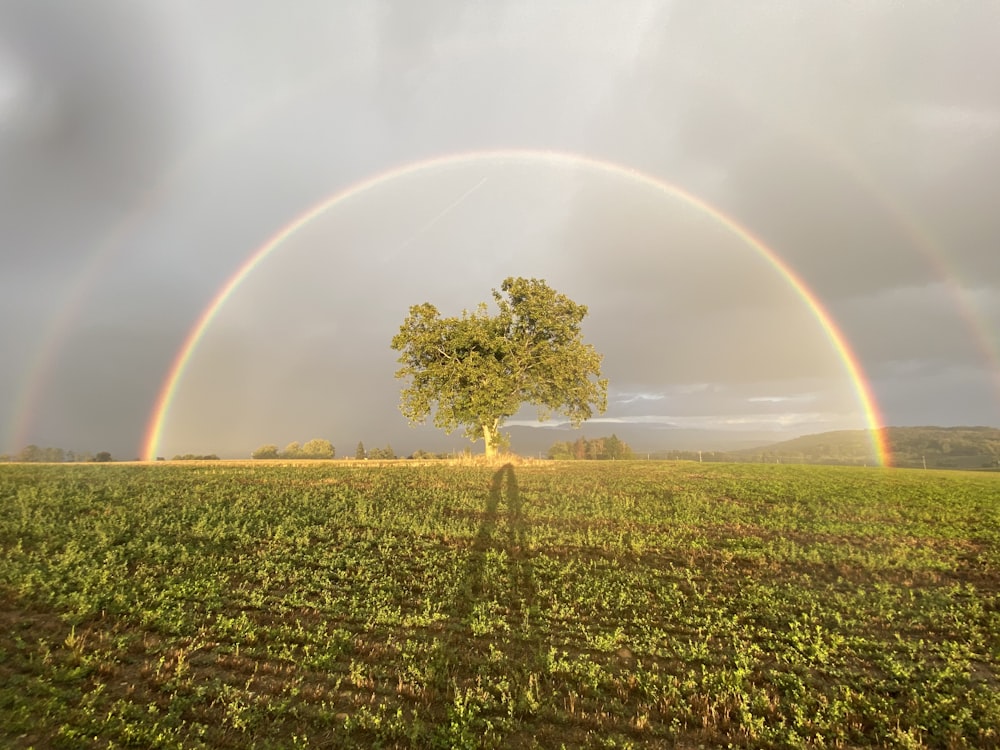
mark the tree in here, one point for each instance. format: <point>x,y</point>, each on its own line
<point>54,455</point>
<point>359,452</point>
<point>477,370</point>
<point>386,454</point>
<point>561,451</point>
<point>102,457</point>
<point>614,448</point>
<point>31,453</point>
<point>602,448</point>
<point>318,448</point>
<point>292,450</point>
<point>265,451</point>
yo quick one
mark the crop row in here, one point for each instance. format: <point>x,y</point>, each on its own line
<point>619,604</point>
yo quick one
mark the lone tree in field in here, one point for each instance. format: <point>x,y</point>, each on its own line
<point>479,369</point>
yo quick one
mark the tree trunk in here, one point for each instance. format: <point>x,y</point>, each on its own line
<point>490,436</point>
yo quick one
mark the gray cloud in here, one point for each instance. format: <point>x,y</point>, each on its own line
<point>88,117</point>
<point>146,152</point>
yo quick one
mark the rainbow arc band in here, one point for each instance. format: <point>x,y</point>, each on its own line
<point>555,159</point>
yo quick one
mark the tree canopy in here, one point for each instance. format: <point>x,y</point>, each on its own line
<point>318,448</point>
<point>313,449</point>
<point>265,451</point>
<point>602,448</point>
<point>477,370</point>
<point>386,453</point>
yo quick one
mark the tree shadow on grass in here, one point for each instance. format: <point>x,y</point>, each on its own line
<point>501,542</point>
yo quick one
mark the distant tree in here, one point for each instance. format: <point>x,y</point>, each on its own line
<point>384,454</point>
<point>599,449</point>
<point>265,451</point>
<point>102,457</point>
<point>561,451</point>
<point>359,452</point>
<point>54,455</point>
<point>477,370</point>
<point>30,453</point>
<point>595,449</point>
<point>318,448</point>
<point>616,449</point>
<point>292,450</point>
<point>35,454</point>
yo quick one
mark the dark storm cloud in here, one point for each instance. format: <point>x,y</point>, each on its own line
<point>87,119</point>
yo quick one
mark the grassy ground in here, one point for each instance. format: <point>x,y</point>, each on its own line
<point>619,604</point>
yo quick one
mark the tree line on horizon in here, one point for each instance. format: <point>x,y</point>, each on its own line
<point>317,448</point>
<point>599,449</point>
<point>49,455</point>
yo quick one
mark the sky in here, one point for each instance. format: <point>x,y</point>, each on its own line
<point>712,179</point>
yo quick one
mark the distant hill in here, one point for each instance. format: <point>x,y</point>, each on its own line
<point>939,447</point>
<point>652,440</point>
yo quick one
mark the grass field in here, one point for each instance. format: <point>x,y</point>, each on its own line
<point>623,604</point>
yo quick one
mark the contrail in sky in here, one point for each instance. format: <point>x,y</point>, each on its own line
<point>440,215</point>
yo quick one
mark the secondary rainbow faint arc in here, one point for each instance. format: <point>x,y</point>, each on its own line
<point>556,158</point>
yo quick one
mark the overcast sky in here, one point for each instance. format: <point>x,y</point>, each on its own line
<point>148,149</point>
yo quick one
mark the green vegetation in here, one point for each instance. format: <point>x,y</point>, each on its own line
<point>945,447</point>
<point>385,454</point>
<point>612,604</point>
<point>912,447</point>
<point>477,370</point>
<point>598,449</point>
<point>314,449</point>
<point>35,454</point>
<point>267,451</point>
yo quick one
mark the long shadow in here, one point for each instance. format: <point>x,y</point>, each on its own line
<point>511,540</point>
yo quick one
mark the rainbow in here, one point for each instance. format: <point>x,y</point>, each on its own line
<point>57,331</point>
<point>60,325</point>
<point>904,220</point>
<point>861,387</point>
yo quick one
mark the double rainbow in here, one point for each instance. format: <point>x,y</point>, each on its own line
<point>168,390</point>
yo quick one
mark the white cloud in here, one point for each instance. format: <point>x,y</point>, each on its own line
<point>631,398</point>
<point>802,398</point>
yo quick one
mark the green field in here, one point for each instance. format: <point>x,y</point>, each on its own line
<point>614,604</point>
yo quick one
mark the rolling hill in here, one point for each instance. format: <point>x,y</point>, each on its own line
<point>933,447</point>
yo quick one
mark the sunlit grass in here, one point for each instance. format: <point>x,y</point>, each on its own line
<point>607,605</point>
